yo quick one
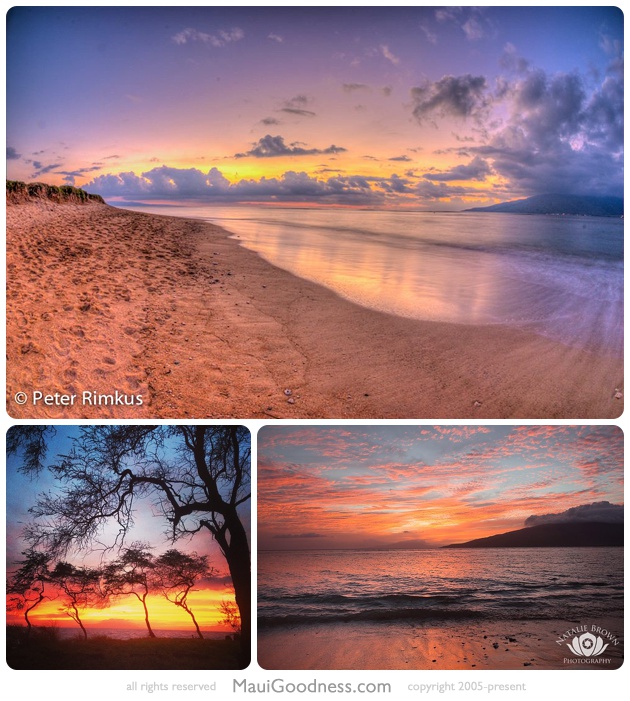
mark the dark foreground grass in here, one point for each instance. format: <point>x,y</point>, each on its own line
<point>43,649</point>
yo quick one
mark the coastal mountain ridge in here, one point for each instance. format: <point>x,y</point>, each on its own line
<point>560,204</point>
<point>553,535</point>
<point>21,193</point>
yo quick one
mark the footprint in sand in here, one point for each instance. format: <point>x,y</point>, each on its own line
<point>77,331</point>
<point>70,375</point>
<point>29,347</point>
<point>20,318</point>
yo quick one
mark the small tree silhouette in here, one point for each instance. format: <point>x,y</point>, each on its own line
<point>81,587</point>
<point>131,573</point>
<point>26,587</point>
<point>230,615</point>
<point>176,573</point>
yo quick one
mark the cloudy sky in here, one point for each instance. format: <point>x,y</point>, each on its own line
<point>386,486</point>
<point>415,107</point>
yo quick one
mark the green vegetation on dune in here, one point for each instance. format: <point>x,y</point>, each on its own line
<point>18,191</point>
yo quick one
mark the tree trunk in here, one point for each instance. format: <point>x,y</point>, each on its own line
<point>75,617</point>
<point>194,620</point>
<point>237,557</point>
<point>28,610</point>
<point>146,616</point>
<point>29,625</point>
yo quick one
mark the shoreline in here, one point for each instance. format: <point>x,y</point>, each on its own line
<point>480,645</point>
<point>101,300</point>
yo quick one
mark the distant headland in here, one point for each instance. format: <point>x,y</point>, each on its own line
<point>553,535</point>
<point>20,193</point>
<point>576,205</point>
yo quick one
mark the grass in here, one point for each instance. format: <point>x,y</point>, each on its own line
<point>44,649</point>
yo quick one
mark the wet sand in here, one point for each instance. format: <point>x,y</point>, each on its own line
<point>517,645</point>
<point>102,300</point>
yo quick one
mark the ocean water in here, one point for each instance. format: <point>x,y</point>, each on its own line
<point>490,584</point>
<point>560,277</point>
<point>132,633</point>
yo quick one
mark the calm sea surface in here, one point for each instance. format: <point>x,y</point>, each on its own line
<point>302,587</point>
<point>133,633</point>
<point>560,277</point>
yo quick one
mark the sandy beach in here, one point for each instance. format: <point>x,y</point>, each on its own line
<point>182,322</point>
<point>488,645</point>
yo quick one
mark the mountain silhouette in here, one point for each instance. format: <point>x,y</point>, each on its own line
<point>553,535</point>
<point>560,204</point>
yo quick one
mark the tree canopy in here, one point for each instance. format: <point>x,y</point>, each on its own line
<point>26,589</point>
<point>81,587</point>
<point>176,573</point>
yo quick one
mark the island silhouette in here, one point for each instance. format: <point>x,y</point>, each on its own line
<point>553,535</point>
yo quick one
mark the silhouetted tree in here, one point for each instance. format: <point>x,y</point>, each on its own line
<point>27,585</point>
<point>81,589</point>
<point>32,443</point>
<point>176,573</point>
<point>199,477</point>
<point>130,574</point>
<point>230,616</point>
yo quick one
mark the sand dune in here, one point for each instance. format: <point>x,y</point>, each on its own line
<point>102,300</point>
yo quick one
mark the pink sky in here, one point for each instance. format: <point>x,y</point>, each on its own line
<point>410,106</point>
<point>333,487</point>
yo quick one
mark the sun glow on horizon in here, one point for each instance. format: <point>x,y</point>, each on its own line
<point>128,612</point>
<point>458,117</point>
<point>360,487</point>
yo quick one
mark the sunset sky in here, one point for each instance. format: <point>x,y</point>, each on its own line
<point>415,486</point>
<point>150,527</point>
<point>415,107</point>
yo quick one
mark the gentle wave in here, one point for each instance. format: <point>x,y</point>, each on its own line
<point>562,280</point>
<point>368,615</point>
<point>409,242</point>
<point>557,277</point>
<point>300,587</point>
